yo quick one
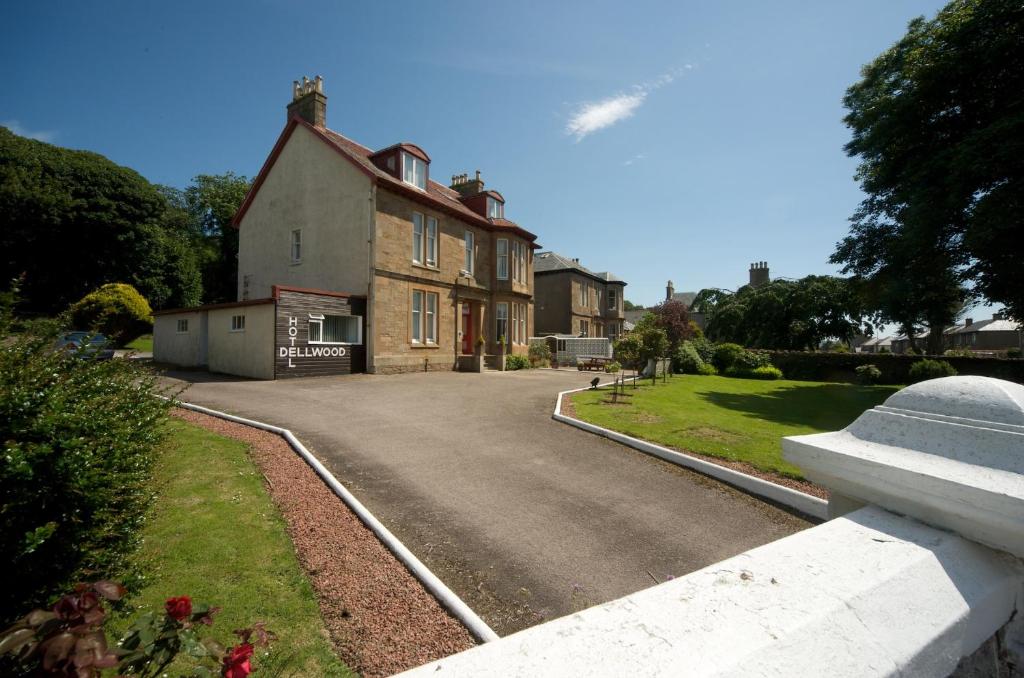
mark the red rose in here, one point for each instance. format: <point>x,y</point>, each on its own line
<point>179,608</point>
<point>236,663</point>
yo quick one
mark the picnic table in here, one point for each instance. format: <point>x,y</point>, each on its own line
<point>591,362</point>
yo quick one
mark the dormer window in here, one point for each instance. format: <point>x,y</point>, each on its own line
<point>495,208</point>
<point>414,171</point>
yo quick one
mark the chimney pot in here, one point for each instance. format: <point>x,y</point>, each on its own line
<point>309,101</point>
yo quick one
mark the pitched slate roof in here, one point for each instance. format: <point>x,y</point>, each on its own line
<point>991,325</point>
<point>686,297</point>
<point>549,262</point>
<point>437,195</point>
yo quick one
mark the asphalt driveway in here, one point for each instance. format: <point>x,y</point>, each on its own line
<point>525,518</point>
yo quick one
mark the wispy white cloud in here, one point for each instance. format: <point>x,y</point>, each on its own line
<point>20,130</point>
<point>591,116</point>
<point>636,158</point>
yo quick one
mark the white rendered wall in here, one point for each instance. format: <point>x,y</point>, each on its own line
<point>249,353</point>
<point>184,349</point>
<point>313,188</point>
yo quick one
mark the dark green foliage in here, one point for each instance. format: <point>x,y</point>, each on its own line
<point>930,369</point>
<point>785,314</point>
<point>71,221</point>
<point>937,122</point>
<point>895,369</point>
<point>79,439</point>
<point>116,310</point>
<point>725,355</point>
<point>868,374</point>
<point>210,203</point>
<point>686,360</point>
<point>1013,353</point>
<point>705,348</point>
<point>707,369</point>
<point>517,362</point>
<point>627,350</point>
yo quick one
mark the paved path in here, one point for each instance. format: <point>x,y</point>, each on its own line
<point>525,518</point>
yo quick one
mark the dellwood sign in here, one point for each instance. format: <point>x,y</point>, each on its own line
<point>294,354</point>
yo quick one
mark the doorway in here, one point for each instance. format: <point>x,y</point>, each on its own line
<point>467,328</point>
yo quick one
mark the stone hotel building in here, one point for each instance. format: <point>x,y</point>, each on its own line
<point>361,250</point>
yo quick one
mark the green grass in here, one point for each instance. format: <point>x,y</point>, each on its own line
<point>735,419</point>
<point>216,536</point>
<point>142,344</point>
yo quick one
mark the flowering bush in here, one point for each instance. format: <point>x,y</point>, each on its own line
<point>69,640</point>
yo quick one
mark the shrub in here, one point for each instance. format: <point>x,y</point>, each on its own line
<point>958,353</point>
<point>1013,353</point>
<point>707,369</point>
<point>725,356</point>
<point>627,351</point>
<point>751,360</point>
<point>517,362</point>
<point>930,369</point>
<point>117,310</point>
<point>704,348</point>
<point>686,360</point>
<point>540,354</point>
<point>868,374</point>
<point>767,372</point>
<point>612,367</point>
<point>79,438</point>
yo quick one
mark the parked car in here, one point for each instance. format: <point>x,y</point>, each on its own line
<point>86,345</point>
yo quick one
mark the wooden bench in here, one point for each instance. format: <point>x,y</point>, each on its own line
<point>591,362</point>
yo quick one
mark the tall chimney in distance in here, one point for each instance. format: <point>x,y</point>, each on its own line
<point>669,291</point>
<point>759,273</point>
<point>309,101</point>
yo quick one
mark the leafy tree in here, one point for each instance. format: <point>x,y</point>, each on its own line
<point>116,310</point>
<point>938,125</point>
<point>674,319</point>
<point>628,305</point>
<point>210,202</point>
<point>71,221</point>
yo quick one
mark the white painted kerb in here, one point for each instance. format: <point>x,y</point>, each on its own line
<point>870,594</point>
<point>430,581</point>
<point>801,501</point>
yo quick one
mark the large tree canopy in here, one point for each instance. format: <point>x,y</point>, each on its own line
<point>785,314</point>
<point>938,124</point>
<point>71,221</point>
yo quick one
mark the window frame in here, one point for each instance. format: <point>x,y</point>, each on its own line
<point>423,320</point>
<point>501,321</point>
<point>238,323</point>
<point>416,163</point>
<point>430,243</point>
<point>502,259</point>
<point>417,237</point>
<point>182,326</point>
<point>584,297</point>
<point>613,303</point>
<point>296,246</point>
<point>495,208</point>
<point>319,319</point>
<point>469,245</point>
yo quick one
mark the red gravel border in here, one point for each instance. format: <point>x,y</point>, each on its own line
<point>805,486</point>
<point>379,617</point>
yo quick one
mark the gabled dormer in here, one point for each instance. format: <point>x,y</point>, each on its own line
<point>488,204</point>
<point>406,162</point>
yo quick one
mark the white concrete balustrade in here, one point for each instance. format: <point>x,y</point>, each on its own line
<point>919,568</point>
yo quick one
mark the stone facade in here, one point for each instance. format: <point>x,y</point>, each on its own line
<point>572,300</point>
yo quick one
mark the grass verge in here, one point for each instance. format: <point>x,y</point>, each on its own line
<point>735,419</point>
<point>143,344</point>
<point>215,535</point>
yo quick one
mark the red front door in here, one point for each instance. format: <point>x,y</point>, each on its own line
<point>467,329</point>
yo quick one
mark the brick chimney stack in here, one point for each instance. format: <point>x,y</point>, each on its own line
<point>759,273</point>
<point>466,186</point>
<point>309,101</point>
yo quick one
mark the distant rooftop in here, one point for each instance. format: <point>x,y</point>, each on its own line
<point>548,262</point>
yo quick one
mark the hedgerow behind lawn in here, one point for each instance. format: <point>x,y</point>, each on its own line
<point>216,536</point>
<point>735,419</point>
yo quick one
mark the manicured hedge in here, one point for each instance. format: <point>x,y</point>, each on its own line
<point>895,368</point>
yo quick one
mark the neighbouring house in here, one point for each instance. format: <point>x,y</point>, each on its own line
<point>876,345</point>
<point>352,259</point>
<point>996,336</point>
<point>572,300</point>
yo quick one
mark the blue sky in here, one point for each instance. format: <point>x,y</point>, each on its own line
<point>678,140</point>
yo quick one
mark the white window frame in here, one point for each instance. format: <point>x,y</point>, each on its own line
<point>501,321</point>
<point>584,328</point>
<point>296,246</point>
<point>613,302</point>
<point>518,262</point>
<point>502,258</point>
<point>182,326</point>
<point>495,208</point>
<point>416,317</point>
<point>470,245</point>
<point>423,317</point>
<point>417,238</point>
<point>430,243</point>
<point>238,323</point>
<point>522,323</point>
<point>515,323</point>
<point>317,319</point>
<point>430,319</point>
<point>419,170</point>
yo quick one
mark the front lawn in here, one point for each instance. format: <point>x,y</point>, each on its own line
<point>216,536</point>
<point>143,344</point>
<point>735,419</point>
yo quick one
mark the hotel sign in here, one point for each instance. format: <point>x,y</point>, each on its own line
<point>308,351</point>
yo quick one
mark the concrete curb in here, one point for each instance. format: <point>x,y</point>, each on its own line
<point>437,588</point>
<point>801,501</point>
